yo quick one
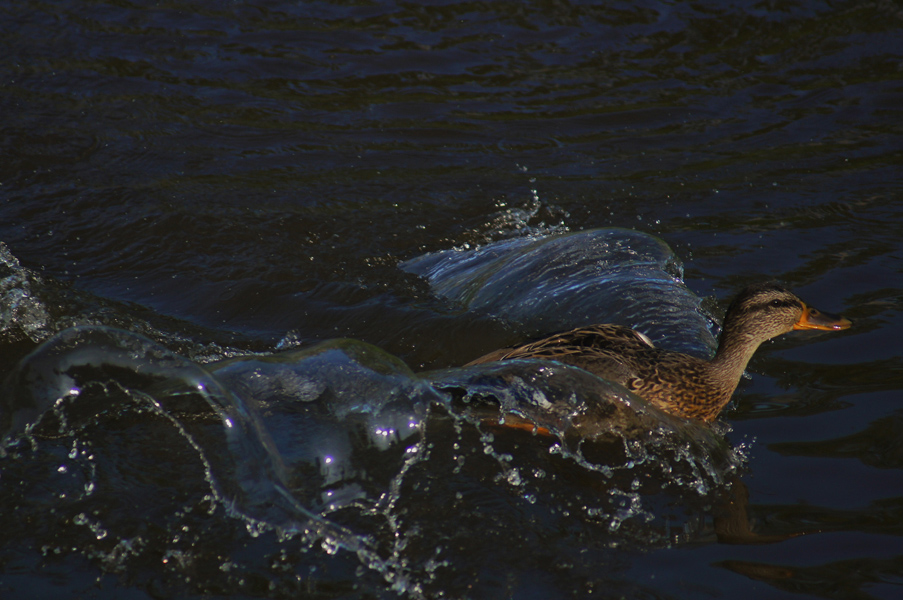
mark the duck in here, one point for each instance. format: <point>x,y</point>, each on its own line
<point>679,384</point>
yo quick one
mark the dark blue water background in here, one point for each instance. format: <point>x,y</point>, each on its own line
<point>262,218</point>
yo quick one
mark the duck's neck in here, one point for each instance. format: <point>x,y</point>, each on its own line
<point>734,352</point>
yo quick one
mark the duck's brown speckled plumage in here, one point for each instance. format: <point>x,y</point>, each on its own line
<point>680,384</point>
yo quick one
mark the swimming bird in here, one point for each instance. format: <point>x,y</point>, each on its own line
<point>680,384</point>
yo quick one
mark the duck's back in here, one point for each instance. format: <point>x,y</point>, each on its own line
<point>609,351</point>
<point>676,382</point>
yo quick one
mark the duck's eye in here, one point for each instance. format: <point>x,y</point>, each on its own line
<point>776,303</point>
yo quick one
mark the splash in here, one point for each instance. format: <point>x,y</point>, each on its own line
<point>248,476</point>
<point>22,314</point>
<point>648,461</point>
<point>554,283</point>
<point>319,408</point>
<point>284,440</point>
<point>341,450</point>
<point>643,458</point>
<point>344,415</point>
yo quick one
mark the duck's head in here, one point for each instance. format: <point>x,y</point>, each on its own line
<point>766,310</point>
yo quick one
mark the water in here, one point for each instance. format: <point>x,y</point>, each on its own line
<point>235,196</point>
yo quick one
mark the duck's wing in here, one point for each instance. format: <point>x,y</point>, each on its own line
<point>606,350</point>
<point>676,383</point>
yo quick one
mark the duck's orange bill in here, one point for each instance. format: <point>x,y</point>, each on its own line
<point>815,319</point>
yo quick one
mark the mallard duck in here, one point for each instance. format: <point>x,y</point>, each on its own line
<point>680,384</point>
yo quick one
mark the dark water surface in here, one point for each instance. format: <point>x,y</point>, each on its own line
<point>218,194</point>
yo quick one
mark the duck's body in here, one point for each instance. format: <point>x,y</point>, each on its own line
<point>680,384</point>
